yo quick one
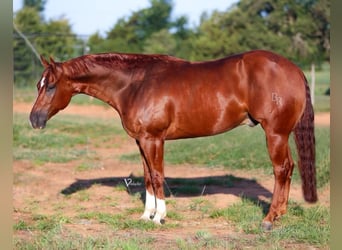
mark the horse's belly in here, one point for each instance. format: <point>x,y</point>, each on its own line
<point>203,125</point>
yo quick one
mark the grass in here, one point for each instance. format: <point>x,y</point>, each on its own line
<point>42,223</point>
<point>66,138</point>
<point>300,228</point>
<point>302,225</point>
<point>58,240</point>
<point>242,148</point>
<point>245,215</point>
<point>118,221</point>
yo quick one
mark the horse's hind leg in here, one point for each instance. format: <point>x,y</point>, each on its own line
<point>151,151</point>
<point>280,155</point>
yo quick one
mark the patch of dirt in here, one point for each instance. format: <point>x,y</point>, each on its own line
<point>322,119</point>
<point>38,190</point>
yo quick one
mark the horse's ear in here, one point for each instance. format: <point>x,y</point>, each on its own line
<point>54,66</point>
<point>43,61</point>
<point>52,61</point>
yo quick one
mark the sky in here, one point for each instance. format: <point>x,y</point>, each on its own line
<point>87,18</point>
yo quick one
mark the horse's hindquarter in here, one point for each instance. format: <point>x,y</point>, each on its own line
<point>276,89</point>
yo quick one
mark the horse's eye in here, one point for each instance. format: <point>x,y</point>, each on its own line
<point>50,87</point>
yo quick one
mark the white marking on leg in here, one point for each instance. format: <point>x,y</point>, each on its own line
<point>160,211</point>
<point>150,206</point>
<point>42,82</point>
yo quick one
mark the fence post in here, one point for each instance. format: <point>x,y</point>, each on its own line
<point>313,83</point>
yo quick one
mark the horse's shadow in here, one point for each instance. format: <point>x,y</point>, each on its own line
<point>184,187</point>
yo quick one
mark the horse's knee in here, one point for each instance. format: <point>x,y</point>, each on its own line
<point>283,172</point>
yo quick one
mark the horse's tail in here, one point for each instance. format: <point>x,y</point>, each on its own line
<point>305,141</point>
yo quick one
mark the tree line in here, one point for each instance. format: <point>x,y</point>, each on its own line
<point>297,29</point>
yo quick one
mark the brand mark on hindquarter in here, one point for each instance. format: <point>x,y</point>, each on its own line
<point>276,99</point>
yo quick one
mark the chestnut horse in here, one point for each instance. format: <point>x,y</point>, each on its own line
<point>160,97</point>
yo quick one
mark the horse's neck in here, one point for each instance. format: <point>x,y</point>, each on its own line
<point>104,84</point>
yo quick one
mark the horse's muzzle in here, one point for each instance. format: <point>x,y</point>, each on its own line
<point>38,119</point>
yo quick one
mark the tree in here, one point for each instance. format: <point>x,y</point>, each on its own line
<point>149,30</point>
<point>161,42</point>
<point>320,12</point>
<point>184,37</point>
<point>297,29</point>
<point>39,5</point>
<point>52,38</point>
<point>58,41</point>
<point>29,22</point>
<point>95,43</point>
<point>130,34</point>
<point>308,35</point>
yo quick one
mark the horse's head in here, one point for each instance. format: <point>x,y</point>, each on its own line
<point>54,94</point>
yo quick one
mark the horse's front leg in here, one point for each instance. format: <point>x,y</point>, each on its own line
<point>152,151</point>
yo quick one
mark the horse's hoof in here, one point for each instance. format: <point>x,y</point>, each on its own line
<point>145,218</point>
<point>266,226</point>
<point>158,221</point>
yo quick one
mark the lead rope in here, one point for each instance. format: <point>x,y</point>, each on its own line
<point>168,188</point>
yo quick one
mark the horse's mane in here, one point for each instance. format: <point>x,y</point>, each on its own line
<point>83,64</point>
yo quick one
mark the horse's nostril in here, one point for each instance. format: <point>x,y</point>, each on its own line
<point>38,119</point>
